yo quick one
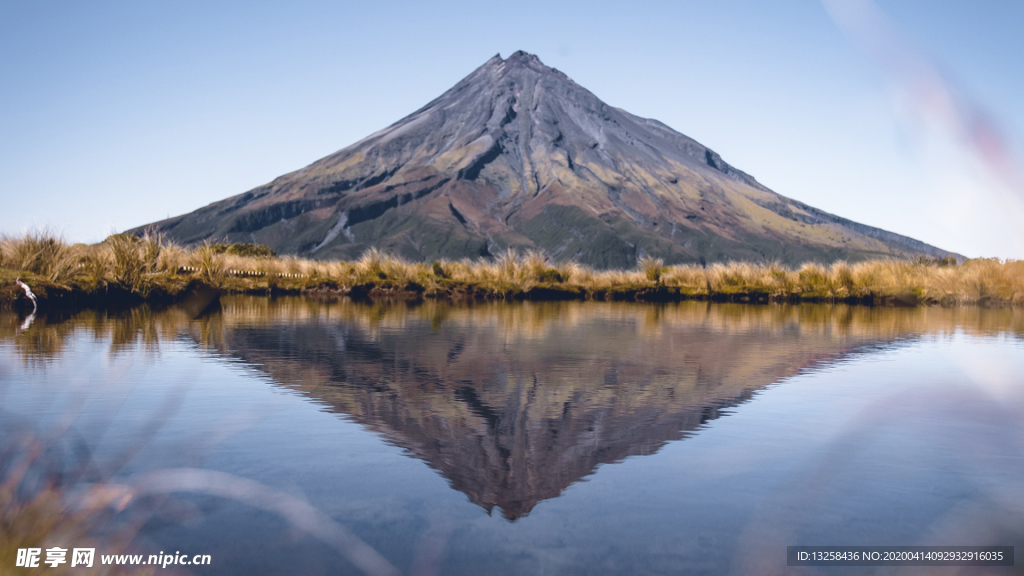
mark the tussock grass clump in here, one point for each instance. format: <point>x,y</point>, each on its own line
<point>129,261</point>
<point>40,253</point>
<point>652,268</point>
<point>208,264</point>
<point>814,277</point>
<point>140,264</point>
<point>135,260</point>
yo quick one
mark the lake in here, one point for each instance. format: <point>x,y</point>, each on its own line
<point>296,436</point>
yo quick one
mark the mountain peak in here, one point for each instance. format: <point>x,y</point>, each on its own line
<point>519,61</point>
<point>523,58</point>
<point>517,155</point>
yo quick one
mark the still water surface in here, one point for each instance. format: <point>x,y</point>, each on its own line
<point>557,438</point>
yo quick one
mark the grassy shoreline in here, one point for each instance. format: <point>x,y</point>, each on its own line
<point>125,270</point>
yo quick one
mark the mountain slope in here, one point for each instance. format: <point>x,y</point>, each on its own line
<point>518,155</point>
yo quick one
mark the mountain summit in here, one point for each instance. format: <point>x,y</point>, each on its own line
<point>517,155</point>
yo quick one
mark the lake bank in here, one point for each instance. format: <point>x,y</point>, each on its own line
<point>126,270</point>
<point>174,288</point>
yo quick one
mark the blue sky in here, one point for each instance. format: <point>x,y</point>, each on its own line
<point>114,114</point>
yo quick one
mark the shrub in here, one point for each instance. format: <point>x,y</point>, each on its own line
<point>244,249</point>
<point>550,276</point>
<point>438,270</point>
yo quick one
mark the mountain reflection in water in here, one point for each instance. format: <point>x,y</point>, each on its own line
<point>514,403</point>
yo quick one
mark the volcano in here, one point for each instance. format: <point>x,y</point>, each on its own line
<point>517,155</point>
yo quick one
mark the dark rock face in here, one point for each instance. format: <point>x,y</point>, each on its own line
<point>517,155</point>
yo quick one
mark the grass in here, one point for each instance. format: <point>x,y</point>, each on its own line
<point>38,511</point>
<point>150,267</point>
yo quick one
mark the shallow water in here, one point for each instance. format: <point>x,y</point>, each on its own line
<point>553,438</point>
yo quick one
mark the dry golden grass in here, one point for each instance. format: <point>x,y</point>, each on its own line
<point>41,253</point>
<point>140,264</point>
